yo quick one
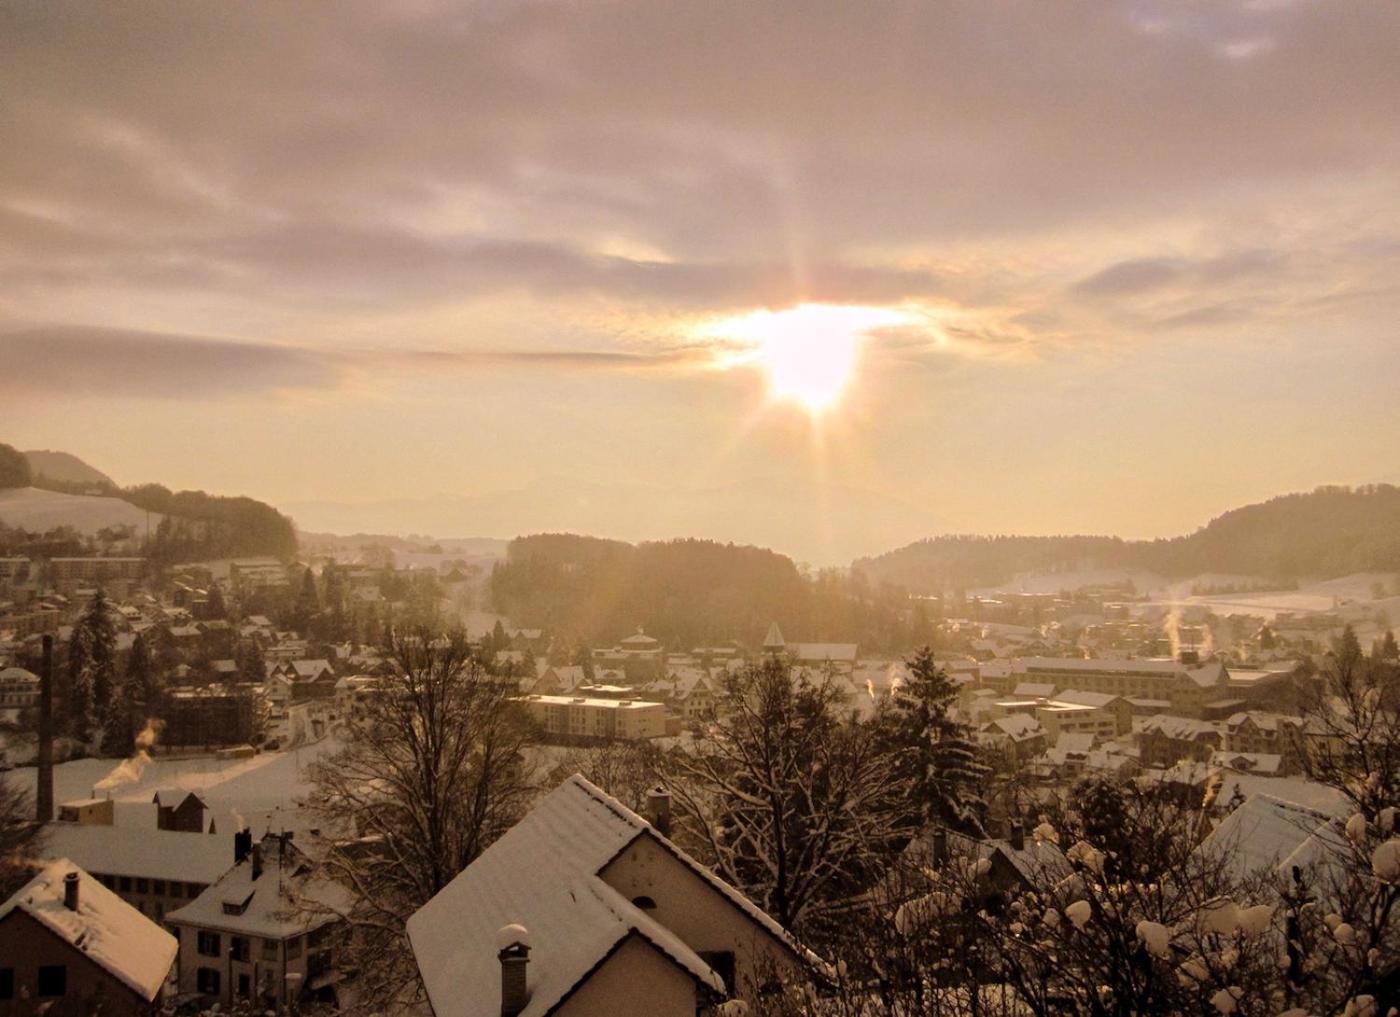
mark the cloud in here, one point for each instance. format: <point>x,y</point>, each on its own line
<point>59,361</point>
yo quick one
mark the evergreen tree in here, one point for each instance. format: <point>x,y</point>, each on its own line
<point>117,720</point>
<point>142,688</point>
<point>499,640</point>
<point>99,647</point>
<point>77,692</point>
<point>215,607</point>
<point>1389,649</point>
<point>252,667</point>
<point>308,602</point>
<point>941,761</point>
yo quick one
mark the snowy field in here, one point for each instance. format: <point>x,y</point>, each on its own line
<point>267,782</point>
<point>30,508</point>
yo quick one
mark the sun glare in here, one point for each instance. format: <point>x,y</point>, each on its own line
<point>809,352</point>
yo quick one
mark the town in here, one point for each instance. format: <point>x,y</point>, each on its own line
<point>172,728</point>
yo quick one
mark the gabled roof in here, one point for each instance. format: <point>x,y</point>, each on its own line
<point>174,798</point>
<point>544,874</point>
<point>1266,833</point>
<point>141,852</point>
<point>271,904</point>
<point>105,928</point>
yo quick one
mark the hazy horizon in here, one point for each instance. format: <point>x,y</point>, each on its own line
<point>811,279</point>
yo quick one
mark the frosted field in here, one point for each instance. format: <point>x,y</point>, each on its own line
<point>36,510</point>
<point>267,782</point>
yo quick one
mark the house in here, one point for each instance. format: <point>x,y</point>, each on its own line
<point>1017,737</point>
<point>69,947</point>
<point>1165,740</point>
<point>262,933</point>
<point>179,810</point>
<point>584,907</point>
<point>152,869</point>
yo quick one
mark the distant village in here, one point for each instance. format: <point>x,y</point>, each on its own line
<point>256,656</point>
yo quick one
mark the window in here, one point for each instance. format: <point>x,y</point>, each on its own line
<point>193,890</point>
<point>293,947</point>
<point>53,979</point>
<point>177,889</point>
<point>208,944</point>
<point>269,949</point>
<point>238,948</point>
<point>207,981</point>
<point>244,987</point>
<point>158,887</point>
<point>722,961</point>
<point>124,884</point>
<point>143,886</point>
<point>7,983</point>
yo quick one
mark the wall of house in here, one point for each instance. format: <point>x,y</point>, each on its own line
<point>701,916</point>
<point>637,979</point>
<point>27,945</point>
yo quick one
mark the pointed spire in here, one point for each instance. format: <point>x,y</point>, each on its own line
<point>774,641</point>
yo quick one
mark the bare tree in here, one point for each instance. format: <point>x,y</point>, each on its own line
<point>794,802</point>
<point>430,773</point>
<point>19,837</point>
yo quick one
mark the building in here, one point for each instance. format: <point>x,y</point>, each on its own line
<point>1187,687</point>
<point>69,947</point>
<point>116,575</point>
<point>584,907</point>
<point>152,869</point>
<point>19,689</point>
<point>262,933</point>
<point>579,717</point>
<point>214,715</point>
<point>179,810</point>
<point>1165,740</point>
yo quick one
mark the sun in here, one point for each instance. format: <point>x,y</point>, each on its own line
<point>809,353</point>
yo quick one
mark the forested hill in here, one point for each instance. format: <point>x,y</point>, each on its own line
<point>685,593</point>
<point>194,525</point>
<point>1329,532</point>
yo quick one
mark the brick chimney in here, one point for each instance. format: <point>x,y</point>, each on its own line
<point>659,809</point>
<point>940,845</point>
<point>43,799</point>
<point>513,951</point>
<point>257,860</point>
<point>70,891</point>
<point>242,845</point>
<point>1018,836</point>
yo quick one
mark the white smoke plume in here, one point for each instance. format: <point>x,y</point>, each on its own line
<point>129,771</point>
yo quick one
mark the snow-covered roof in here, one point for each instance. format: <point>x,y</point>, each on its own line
<point>1078,697</point>
<point>817,652</point>
<point>270,906</point>
<point>1264,833</point>
<point>105,928</point>
<point>1034,690</point>
<point>544,874</point>
<point>145,853</point>
<point>1018,727</point>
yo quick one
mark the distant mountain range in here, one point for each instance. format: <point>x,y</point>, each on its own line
<point>1332,531</point>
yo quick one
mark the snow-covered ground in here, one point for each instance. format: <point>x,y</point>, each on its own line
<point>268,781</point>
<point>36,510</point>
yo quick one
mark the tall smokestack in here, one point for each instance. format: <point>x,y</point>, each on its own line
<point>43,798</point>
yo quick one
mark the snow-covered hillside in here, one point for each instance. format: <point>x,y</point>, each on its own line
<point>36,510</point>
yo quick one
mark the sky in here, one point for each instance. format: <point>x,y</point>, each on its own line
<point>493,268</point>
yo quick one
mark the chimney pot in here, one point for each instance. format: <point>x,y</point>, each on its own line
<point>70,891</point>
<point>513,951</point>
<point>659,809</point>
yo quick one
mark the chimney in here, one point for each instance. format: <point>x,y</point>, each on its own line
<point>659,809</point>
<point>1018,836</point>
<point>513,951</point>
<point>70,891</point>
<point>1190,658</point>
<point>242,845</point>
<point>257,860</point>
<point>43,799</point>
